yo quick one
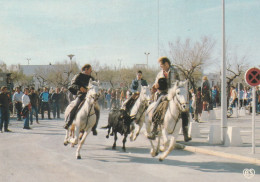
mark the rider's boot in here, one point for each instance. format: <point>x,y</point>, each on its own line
<point>72,114</point>
<point>97,111</point>
<point>154,132</point>
<point>185,126</point>
<point>185,134</point>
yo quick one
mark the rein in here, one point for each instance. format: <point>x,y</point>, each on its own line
<point>146,106</point>
<point>91,106</point>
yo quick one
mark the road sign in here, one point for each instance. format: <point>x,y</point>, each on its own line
<point>252,77</point>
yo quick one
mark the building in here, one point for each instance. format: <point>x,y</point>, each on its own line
<point>5,80</point>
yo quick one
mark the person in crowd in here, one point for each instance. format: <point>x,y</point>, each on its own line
<point>118,95</point>
<point>39,92</point>
<point>122,96</point>
<point>241,94</point>
<point>79,88</point>
<point>258,99</point>
<point>108,99</point>
<point>55,97</point>
<point>34,99</point>
<point>233,97</point>
<point>4,109</point>
<point>26,108</point>
<point>198,109</point>
<point>214,93</point>
<point>205,93</point>
<point>101,99</point>
<point>113,99</point>
<point>192,102</point>
<point>45,97</point>
<point>17,100</point>
<point>171,75</point>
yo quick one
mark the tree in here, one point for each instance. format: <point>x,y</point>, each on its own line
<point>58,74</point>
<point>236,68</point>
<point>190,57</point>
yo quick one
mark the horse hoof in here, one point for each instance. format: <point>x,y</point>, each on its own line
<point>107,136</point>
<point>160,159</point>
<point>79,157</point>
<point>124,149</point>
<point>156,153</point>
<point>114,148</point>
<point>65,143</point>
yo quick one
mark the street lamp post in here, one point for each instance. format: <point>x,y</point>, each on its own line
<point>147,54</point>
<point>70,56</point>
<point>28,59</point>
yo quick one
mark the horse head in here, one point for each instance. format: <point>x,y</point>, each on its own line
<point>93,90</point>
<point>179,93</point>
<point>145,93</point>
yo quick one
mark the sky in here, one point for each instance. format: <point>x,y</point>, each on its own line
<point>114,31</point>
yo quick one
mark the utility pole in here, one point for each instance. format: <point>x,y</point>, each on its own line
<point>119,60</point>
<point>147,54</point>
<point>223,79</point>
<point>28,59</point>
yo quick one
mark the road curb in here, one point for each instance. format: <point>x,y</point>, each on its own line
<point>216,153</point>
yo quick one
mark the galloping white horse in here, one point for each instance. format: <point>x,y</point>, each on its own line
<point>85,118</point>
<point>170,128</point>
<point>138,111</point>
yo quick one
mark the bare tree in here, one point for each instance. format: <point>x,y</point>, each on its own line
<point>236,67</point>
<point>58,74</point>
<point>190,57</point>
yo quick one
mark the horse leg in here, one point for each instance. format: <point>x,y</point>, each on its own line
<point>66,139</point>
<point>75,139</point>
<point>132,129</point>
<point>165,144</point>
<point>138,130</point>
<point>124,141</point>
<point>78,156</point>
<point>115,138</point>
<point>158,145</point>
<point>172,142</point>
<point>108,132</point>
<point>170,148</point>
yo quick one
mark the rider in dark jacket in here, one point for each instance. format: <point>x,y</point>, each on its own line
<point>135,89</point>
<point>79,88</point>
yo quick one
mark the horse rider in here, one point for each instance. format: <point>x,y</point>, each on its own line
<point>79,88</point>
<point>171,75</point>
<point>135,89</point>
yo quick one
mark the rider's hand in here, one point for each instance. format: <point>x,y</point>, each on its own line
<point>82,89</point>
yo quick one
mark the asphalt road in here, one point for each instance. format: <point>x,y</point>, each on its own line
<point>38,155</point>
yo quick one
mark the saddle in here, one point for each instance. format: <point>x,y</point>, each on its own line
<point>160,111</point>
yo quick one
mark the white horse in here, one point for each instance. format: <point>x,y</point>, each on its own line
<point>177,97</point>
<point>85,118</point>
<point>138,110</point>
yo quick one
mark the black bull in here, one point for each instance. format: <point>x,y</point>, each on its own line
<point>120,122</point>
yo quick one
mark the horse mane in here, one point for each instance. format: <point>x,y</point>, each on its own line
<point>172,91</point>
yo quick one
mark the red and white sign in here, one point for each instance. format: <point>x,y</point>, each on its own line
<point>252,77</point>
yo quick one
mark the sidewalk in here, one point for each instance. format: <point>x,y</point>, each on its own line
<point>243,152</point>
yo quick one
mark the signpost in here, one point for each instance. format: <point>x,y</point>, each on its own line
<point>252,78</point>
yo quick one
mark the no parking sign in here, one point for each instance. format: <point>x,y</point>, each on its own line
<point>252,78</point>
